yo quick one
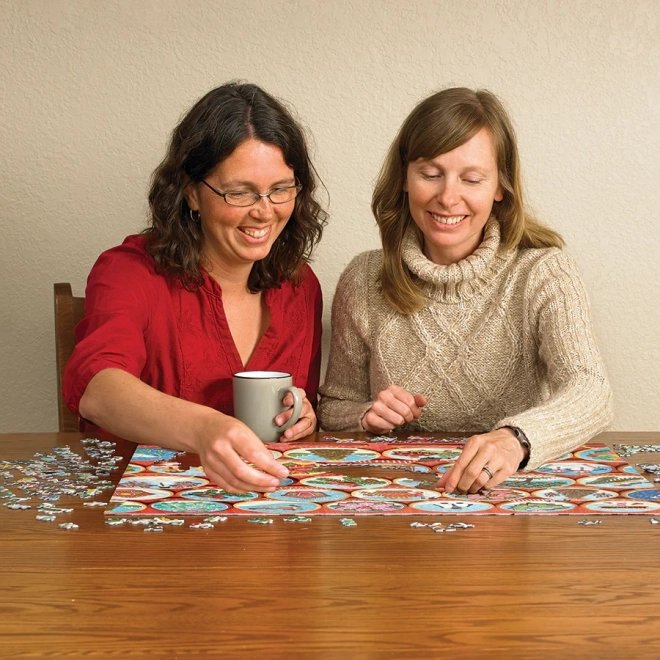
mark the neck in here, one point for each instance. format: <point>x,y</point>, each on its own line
<point>448,256</point>
<point>233,280</point>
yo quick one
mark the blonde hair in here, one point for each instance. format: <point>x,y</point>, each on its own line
<point>439,124</point>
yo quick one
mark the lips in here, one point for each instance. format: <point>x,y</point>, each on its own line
<point>448,219</point>
<point>256,234</point>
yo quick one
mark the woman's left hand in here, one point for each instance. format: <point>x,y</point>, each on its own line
<point>306,424</point>
<point>487,460</point>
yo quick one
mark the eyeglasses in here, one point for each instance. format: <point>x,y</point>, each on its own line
<point>248,198</point>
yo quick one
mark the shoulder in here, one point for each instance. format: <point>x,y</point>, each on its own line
<point>546,264</point>
<point>130,254</point>
<point>357,294</point>
<point>551,276</point>
<point>307,286</point>
<point>308,279</point>
<point>127,266</point>
<point>304,294</point>
<point>362,271</point>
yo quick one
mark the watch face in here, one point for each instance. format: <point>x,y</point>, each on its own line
<point>521,437</point>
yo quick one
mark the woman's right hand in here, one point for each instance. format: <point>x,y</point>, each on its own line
<point>226,446</point>
<point>393,407</point>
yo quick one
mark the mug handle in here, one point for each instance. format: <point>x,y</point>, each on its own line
<point>297,406</point>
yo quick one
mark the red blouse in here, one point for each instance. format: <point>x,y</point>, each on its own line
<point>179,342</point>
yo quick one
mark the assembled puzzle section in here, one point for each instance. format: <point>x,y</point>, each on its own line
<point>384,476</point>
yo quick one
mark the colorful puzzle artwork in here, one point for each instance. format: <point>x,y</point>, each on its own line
<point>383,477</point>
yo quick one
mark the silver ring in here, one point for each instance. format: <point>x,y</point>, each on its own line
<point>486,469</point>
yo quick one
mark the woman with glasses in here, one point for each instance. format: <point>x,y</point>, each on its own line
<point>217,284</point>
<point>471,317</point>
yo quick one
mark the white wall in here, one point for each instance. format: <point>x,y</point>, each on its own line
<point>92,88</point>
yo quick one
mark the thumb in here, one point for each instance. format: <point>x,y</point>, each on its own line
<point>259,455</point>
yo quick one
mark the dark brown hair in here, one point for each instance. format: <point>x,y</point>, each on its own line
<point>217,124</point>
<point>438,124</point>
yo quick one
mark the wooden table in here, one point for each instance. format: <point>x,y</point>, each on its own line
<point>512,587</point>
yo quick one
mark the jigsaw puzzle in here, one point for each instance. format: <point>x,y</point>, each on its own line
<point>384,476</point>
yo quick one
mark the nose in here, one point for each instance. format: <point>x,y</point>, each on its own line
<point>448,194</point>
<point>263,209</point>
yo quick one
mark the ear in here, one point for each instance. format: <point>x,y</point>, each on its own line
<point>191,194</point>
<point>499,194</point>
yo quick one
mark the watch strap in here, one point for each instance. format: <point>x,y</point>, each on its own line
<point>522,439</point>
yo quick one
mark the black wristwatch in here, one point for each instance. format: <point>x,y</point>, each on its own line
<point>522,439</point>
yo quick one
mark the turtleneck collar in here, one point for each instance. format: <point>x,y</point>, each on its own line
<point>464,279</point>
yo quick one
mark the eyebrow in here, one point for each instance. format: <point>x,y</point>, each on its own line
<point>468,168</point>
<point>237,182</point>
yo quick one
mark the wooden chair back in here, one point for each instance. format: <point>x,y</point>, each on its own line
<point>69,309</point>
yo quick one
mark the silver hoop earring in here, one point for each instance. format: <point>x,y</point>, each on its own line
<point>195,218</point>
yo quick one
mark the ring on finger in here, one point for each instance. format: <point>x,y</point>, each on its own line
<point>486,469</point>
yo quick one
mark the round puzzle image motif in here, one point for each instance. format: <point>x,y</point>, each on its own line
<point>617,480</point>
<point>627,506</point>
<point>274,507</point>
<point>423,453</point>
<point>574,468</point>
<point>302,494</point>
<point>648,495</point>
<point>177,470</point>
<point>598,454</point>
<point>145,454</point>
<point>140,494</point>
<point>451,506</point>
<point>190,506</point>
<point>395,494</point>
<point>332,454</point>
<point>342,482</point>
<point>536,506</point>
<point>575,494</point>
<point>364,506</point>
<point>171,482</point>
<point>536,481</point>
<point>216,494</point>
<point>494,495</point>
<point>411,482</point>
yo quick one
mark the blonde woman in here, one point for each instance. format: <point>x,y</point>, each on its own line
<point>470,317</point>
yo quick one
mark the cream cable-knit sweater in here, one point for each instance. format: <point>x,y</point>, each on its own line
<point>506,340</point>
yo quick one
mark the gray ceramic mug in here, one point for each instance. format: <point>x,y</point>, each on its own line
<point>258,400</point>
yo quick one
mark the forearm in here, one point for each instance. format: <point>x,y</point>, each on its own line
<point>341,415</point>
<point>125,406</point>
<point>569,418</point>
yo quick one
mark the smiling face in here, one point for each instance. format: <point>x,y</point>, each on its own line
<point>451,197</point>
<point>236,237</point>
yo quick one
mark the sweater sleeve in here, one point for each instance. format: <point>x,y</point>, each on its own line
<point>118,300</point>
<point>346,394</point>
<point>578,404</point>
